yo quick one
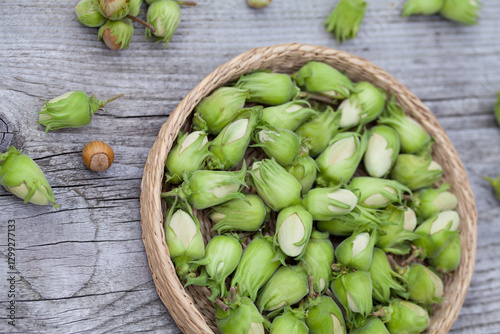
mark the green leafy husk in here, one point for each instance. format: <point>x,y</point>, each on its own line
<point>357,250</point>
<point>88,15</point>
<point>363,106</point>
<point>222,256</point>
<point>230,145</point>
<point>204,188</point>
<point>268,87</point>
<point>304,169</point>
<point>278,188</point>
<point>325,316</point>
<point>275,295</point>
<point>293,230</point>
<point>135,7</point>
<point>384,279</point>
<point>378,193</point>
<point>241,318</point>
<point>396,237</point>
<point>164,16</point>
<point>281,144</point>
<point>422,284</point>
<point>462,11</point>
<point>323,79</point>
<point>436,232</point>
<point>497,109</point>
<point>427,202</point>
<point>328,203</point>
<point>290,322</point>
<point>22,176</point>
<point>338,163</point>
<point>416,171</point>
<point>70,110</point>
<point>382,151</point>
<point>354,291</point>
<point>361,218</point>
<point>373,325</point>
<point>318,260</point>
<point>219,109</point>
<point>450,257</point>
<point>289,115</point>
<point>319,131</point>
<point>404,317</point>
<point>189,155</point>
<point>113,9</point>
<point>259,3</point>
<point>183,237</point>
<point>122,30</point>
<point>422,7</point>
<point>246,214</point>
<point>345,19</point>
<point>413,137</point>
<point>495,183</point>
<point>259,262</point>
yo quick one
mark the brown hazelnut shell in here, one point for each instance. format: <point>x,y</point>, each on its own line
<point>98,156</point>
<point>110,40</point>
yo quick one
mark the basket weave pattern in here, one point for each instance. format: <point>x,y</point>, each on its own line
<point>189,307</point>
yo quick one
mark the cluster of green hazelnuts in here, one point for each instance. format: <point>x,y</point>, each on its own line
<point>114,19</point>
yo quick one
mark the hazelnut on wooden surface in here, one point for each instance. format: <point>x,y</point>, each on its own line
<point>97,156</point>
<point>259,3</point>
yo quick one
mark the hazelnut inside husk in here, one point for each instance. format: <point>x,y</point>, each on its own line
<point>98,156</point>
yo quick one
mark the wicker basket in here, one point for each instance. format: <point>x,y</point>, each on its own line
<point>189,307</point>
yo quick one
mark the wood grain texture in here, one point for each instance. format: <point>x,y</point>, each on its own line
<point>83,267</point>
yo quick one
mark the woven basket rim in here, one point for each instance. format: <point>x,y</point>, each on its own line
<point>170,290</point>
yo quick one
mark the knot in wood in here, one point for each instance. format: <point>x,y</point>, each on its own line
<point>6,133</point>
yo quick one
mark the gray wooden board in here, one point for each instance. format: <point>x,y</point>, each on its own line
<point>83,268</point>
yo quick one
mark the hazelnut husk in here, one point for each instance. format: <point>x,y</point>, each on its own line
<point>98,156</point>
<point>110,40</point>
<point>116,34</point>
<point>259,3</point>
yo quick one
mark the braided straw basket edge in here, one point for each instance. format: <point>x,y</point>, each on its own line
<point>189,307</point>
